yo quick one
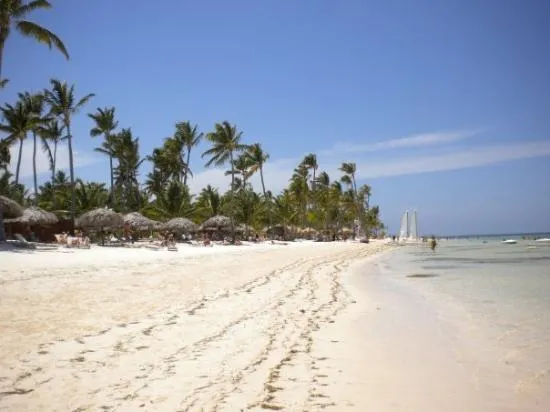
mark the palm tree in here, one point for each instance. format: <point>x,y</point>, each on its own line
<point>105,124</point>
<point>242,168</point>
<point>52,133</point>
<point>12,14</point>
<point>4,154</point>
<point>35,106</point>
<point>300,190</point>
<point>310,162</point>
<point>18,121</point>
<point>284,210</point>
<point>226,141</point>
<point>209,202</point>
<point>257,158</point>
<point>126,151</point>
<point>190,137</point>
<point>348,178</point>
<point>175,201</point>
<point>64,105</point>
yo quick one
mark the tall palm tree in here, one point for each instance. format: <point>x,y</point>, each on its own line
<point>18,121</point>
<point>257,158</point>
<point>35,105</point>
<point>105,124</point>
<point>226,142</point>
<point>12,15</point>
<point>52,133</point>
<point>126,151</point>
<point>310,162</point>
<point>4,154</point>
<point>190,137</point>
<point>64,105</point>
<point>242,168</point>
<point>349,169</point>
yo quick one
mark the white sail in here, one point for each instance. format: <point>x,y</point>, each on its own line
<point>413,229</point>
<point>404,230</point>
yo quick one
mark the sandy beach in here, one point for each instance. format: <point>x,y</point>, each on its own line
<point>223,328</point>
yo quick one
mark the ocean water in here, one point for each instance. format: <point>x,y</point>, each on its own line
<point>492,302</point>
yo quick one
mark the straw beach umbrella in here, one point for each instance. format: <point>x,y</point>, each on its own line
<point>35,216</point>
<point>10,209</point>
<point>100,219</point>
<point>216,225</point>
<point>217,222</point>
<point>180,225</point>
<point>137,221</point>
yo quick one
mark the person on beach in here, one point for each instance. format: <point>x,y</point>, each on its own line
<point>433,243</point>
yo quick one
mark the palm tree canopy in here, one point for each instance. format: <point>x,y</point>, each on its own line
<point>13,13</point>
<point>104,120</point>
<point>256,156</point>
<point>62,100</point>
<point>187,134</point>
<point>348,168</point>
<point>18,120</point>
<point>225,140</point>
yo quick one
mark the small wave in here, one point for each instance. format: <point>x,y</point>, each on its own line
<point>422,275</point>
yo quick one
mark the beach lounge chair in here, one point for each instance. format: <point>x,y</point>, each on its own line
<point>22,242</point>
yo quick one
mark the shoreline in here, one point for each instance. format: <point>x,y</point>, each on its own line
<point>421,351</point>
<point>223,327</point>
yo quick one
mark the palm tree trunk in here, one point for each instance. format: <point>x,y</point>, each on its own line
<point>18,161</point>
<point>71,169</point>
<point>54,162</point>
<point>187,164</point>
<point>2,43</point>
<point>111,171</point>
<point>35,179</point>
<point>2,235</point>
<point>265,199</point>
<point>232,199</point>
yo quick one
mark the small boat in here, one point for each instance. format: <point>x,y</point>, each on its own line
<point>509,242</point>
<point>543,240</point>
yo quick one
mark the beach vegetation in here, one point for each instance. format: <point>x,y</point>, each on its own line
<point>314,204</point>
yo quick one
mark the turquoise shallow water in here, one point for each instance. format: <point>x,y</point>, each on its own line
<point>496,297</point>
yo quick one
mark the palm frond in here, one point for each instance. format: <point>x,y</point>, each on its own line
<point>83,101</point>
<point>42,35</point>
<point>46,148</point>
<point>25,9</point>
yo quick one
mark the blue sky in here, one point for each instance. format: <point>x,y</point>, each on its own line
<point>443,105</point>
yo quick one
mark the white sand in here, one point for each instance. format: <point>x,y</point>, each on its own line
<point>222,328</point>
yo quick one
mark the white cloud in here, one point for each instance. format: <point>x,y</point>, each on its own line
<point>419,140</point>
<point>42,162</point>
<point>278,172</point>
<point>463,159</point>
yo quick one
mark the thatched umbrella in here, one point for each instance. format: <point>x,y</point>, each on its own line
<point>217,222</point>
<point>35,216</point>
<point>180,225</point>
<point>101,219</point>
<point>137,221</point>
<point>10,209</point>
